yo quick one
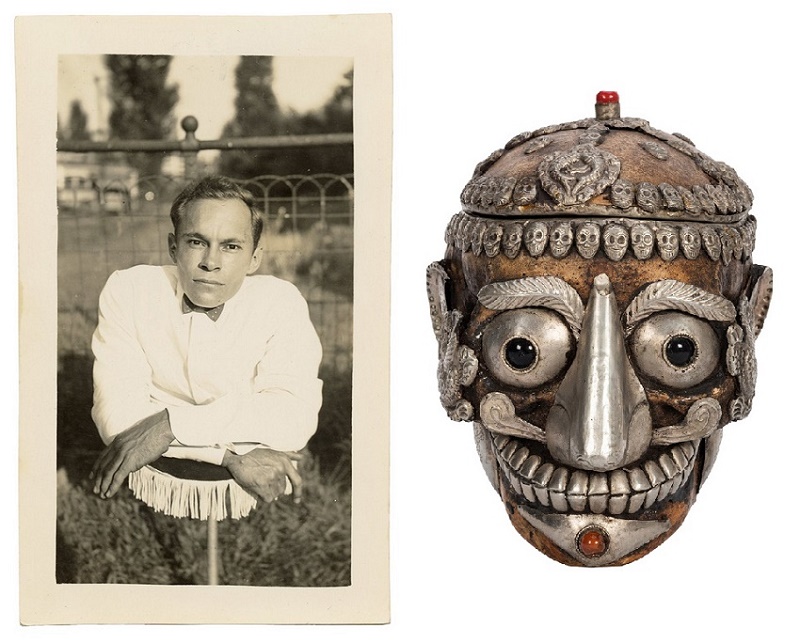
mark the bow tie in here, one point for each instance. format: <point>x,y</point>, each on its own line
<point>212,313</point>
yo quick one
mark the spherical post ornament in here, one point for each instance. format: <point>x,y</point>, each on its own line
<point>596,313</point>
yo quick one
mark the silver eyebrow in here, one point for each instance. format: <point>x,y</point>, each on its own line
<point>536,291</point>
<point>676,295</point>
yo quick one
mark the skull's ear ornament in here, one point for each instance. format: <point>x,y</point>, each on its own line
<point>596,316</point>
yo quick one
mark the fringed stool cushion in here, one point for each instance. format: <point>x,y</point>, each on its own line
<point>185,488</point>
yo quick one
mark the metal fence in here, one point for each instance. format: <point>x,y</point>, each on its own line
<point>114,222</point>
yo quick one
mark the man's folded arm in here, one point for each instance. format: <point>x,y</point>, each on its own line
<point>281,409</point>
<point>121,374</point>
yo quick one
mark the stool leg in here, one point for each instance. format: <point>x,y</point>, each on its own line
<point>213,578</point>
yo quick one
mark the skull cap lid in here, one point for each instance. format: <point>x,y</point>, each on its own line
<point>609,167</point>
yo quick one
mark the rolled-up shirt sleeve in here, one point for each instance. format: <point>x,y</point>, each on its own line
<point>280,409</point>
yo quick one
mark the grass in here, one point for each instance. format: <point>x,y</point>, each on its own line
<point>121,540</point>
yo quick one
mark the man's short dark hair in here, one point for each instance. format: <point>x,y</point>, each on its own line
<point>217,188</point>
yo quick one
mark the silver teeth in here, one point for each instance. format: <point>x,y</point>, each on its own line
<point>509,450</point>
<point>519,458</point>
<point>620,490</point>
<point>540,482</point>
<point>577,490</point>
<point>500,441</point>
<point>636,503</point>
<point>529,467</point>
<point>668,466</point>
<point>615,492</point>
<point>679,457</point>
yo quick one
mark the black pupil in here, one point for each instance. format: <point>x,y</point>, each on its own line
<point>520,353</point>
<point>680,351</point>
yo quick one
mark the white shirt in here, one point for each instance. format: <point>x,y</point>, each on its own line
<point>247,379</point>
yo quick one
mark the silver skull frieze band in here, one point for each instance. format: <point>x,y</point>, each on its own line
<point>596,315</point>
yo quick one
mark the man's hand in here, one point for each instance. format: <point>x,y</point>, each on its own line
<point>263,472</point>
<point>139,445</point>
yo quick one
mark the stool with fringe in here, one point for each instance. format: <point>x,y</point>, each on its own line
<point>193,489</point>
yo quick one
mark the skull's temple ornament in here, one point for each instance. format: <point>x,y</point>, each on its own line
<point>596,314</point>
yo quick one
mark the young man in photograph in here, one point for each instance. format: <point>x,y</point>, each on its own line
<point>203,360</point>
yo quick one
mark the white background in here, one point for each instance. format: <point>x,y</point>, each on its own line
<point>467,79</point>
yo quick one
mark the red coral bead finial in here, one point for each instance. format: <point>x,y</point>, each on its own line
<point>606,97</point>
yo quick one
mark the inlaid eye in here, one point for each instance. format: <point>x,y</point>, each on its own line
<point>680,351</point>
<point>526,348</point>
<point>676,349</point>
<point>520,353</point>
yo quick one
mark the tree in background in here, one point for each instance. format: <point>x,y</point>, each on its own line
<point>259,114</point>
<point>76,129</point>
<point>141,104</point>
<point>335,117</point>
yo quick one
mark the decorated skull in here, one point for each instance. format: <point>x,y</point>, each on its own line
<point>667,238</point>
<point>690,241</point>
<point>512,239</point>
<point>615,241</point>
<point>492,239</point>
<point>587,239</point>
<point>598,383</point>
<point>561,240</point>
<point>642,240</point>
<point>535,237</point>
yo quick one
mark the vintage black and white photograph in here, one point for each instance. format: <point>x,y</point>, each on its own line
<point>206,205</point>
<point>285,365</point>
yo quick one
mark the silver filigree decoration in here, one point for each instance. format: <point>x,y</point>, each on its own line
<point>760,299</point>
<point>561,240</point>
<point>622,193</point>
<point>458,364</point>
<point>745,362</point>
<point>499,416</point>
<point>492,239</point>
<point>503,195</point>
<point>711,243</point>
<point>462,410</point>
<point>701,420</point>
<point>525,191</point>
<point>671,198</point>
<point>668,242</point>
<point>536,291</point>
<point>587,239</point>
<point>512,239</point>
<point>593,135</point>
<point>486,163</point>
<point>575,176</point>
<point>647,197</point>
<point>519,139</point>
<point>735,336</point>
<point>676,295</point>
<point>475,234</point>
<point>703,197</point>
<point>535,237</point>
<point>690,202</point>
<point>615,241</point>
<point>436,276</point>
<point>537,144</point>
<point>655,150</point>
<point>691,243</point>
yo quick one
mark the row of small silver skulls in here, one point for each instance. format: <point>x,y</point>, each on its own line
<point>701,200</point>
<point>720,242</point>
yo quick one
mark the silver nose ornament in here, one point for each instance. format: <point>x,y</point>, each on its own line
<point>600,419</point>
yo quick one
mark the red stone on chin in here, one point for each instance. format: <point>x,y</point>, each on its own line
<point>592,542</point>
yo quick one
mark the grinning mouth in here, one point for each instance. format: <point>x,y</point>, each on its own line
<point>543,482</point>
